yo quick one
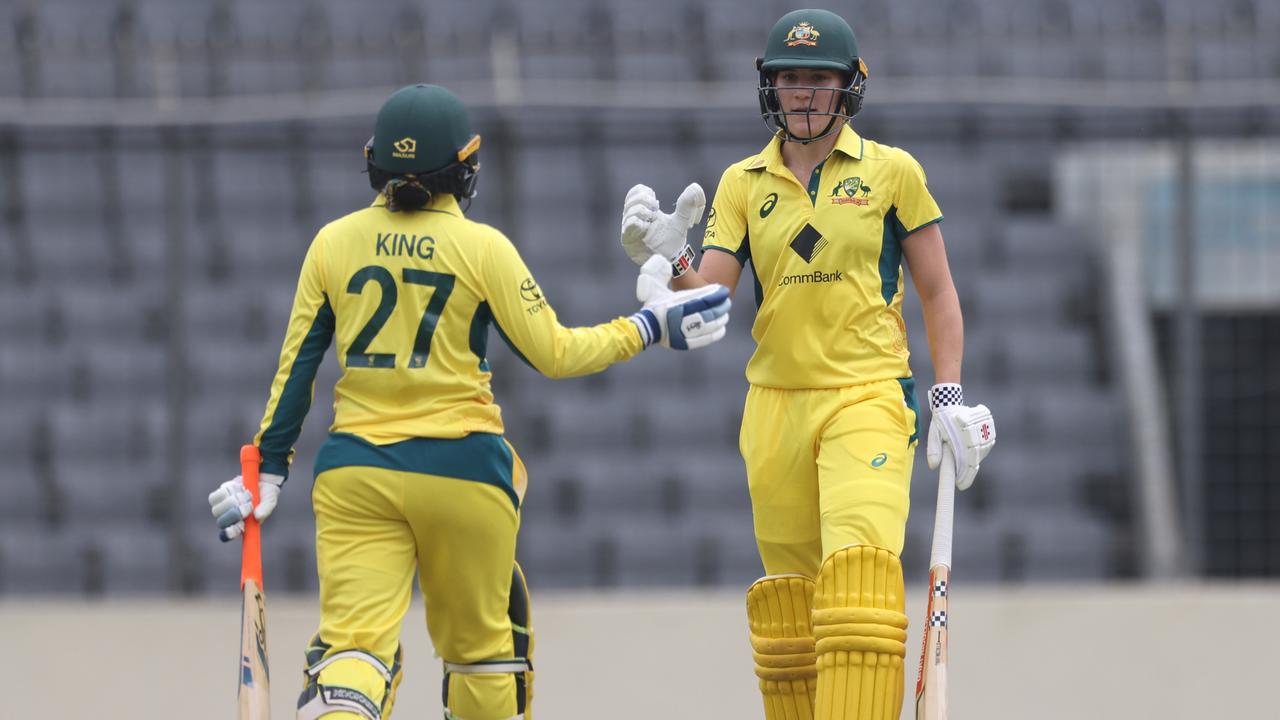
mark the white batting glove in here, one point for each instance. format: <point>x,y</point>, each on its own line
<point>968,433</point>
<point>231,503</point>
<point>646,230</point>
<point>683,320</point>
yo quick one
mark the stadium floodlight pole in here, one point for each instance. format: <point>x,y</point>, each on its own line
<point>1188,375</point>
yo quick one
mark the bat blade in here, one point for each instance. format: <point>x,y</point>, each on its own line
<point>254,688</point>
<point>931,687</point>
<point>255,679</point>
<point>931,683</point>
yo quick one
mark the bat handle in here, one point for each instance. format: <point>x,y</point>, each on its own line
<point>944,518</point>
<point>251,550</point>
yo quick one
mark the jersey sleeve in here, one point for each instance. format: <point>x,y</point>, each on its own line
<point>528,323</point>
<point>727,222</point>
<point>307,337</point>
<point>916,207</point>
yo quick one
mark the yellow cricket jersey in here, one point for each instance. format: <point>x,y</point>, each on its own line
<point>827,260</point>
<point>410,297</point>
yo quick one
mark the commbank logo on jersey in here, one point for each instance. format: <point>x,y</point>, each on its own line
<point>405,148</point>
<point>803,34</point>
<point>809,243</point>
<point>850,191</point>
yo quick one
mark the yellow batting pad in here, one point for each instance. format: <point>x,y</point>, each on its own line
<point>860,624</point>
<point>778,610</point>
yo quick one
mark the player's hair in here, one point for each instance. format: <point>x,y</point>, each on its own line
<point>405,194</point>
<point>409,192</point>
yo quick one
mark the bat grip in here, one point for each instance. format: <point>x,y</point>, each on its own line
<point>251,550</point>
<point>944,518</point>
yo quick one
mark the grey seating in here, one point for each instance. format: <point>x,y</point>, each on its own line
<point>120,374</point>
<point>253,317</point>
<point>1024,478</point>
<point>31,314</point>
<point>107,461</point>
<point>40,561</point>
<point>714,483</point>
<point>693,423</point>
<point>635,474</point>
<point>578,421</point>
<point>100,559</point>
<point>1063,546</point>
<point>238,369</point>
<point>25,495</point>
<point>599,484</point>
<point>216,564</point>
<point>555,555</point>
<point>1045,295</point>
<point>1031,356</point>
<point>127,317</point>
<point>62,245</point>
<point>545,39</point>
<point>130,560</point>
<point>288,558</point>
<point>34,377</point>
<point>1038,242</point>
<point>978,552</point>
<point>688,552</point>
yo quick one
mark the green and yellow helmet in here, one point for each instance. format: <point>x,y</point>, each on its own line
<point>423,132</point>
<point>811,39</point>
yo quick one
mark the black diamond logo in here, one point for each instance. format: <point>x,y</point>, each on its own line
<point>808,243</point>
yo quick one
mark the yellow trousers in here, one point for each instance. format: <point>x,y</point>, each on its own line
<point>828,468</point>
<point>376,527</point>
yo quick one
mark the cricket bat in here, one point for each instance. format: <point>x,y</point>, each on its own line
<point>254,693</point>
<point>931,685</point>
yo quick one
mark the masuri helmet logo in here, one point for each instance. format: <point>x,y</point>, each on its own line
<point>405,147</point>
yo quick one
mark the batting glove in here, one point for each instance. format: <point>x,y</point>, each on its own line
<point>683,320</point>
<point>968,433</point>
<point>231,503</point>
<point>646,230</point>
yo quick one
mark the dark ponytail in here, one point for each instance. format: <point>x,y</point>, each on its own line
<point>406,194</point>
<point>409,192</point>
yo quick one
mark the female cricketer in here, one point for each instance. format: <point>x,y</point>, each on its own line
<point>825,218</point>
<point>416,474</point>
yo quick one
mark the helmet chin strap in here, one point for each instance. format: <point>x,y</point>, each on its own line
<point>831,126</point>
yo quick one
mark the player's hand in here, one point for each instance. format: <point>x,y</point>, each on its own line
<point>231,503</point>
<point>646,230</point>
<point>682,320</point>
<point>968,433</point>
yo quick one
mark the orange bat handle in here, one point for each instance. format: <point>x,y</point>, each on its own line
<point>251,551</point>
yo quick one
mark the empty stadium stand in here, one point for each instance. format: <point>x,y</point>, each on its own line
<point>146,272</point>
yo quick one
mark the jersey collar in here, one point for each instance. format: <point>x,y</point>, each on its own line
<point>443,203</point>
<point>848,142</point>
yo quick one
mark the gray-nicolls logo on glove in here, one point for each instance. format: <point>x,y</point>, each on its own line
<point>968,433</point>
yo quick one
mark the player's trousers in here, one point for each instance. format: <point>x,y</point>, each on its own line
<point>828,468</point>
<point>377,526</point>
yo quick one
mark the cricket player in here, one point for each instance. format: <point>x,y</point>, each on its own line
<point>416,474</point>
<point>825,218</point>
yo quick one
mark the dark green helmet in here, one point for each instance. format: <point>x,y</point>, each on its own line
<point>811,39</point>
<point>424,132</point>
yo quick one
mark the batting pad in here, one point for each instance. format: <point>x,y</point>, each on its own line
<point>860,623</point>
<point>778,610</point>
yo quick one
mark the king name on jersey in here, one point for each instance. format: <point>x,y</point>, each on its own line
<point>402,245</point>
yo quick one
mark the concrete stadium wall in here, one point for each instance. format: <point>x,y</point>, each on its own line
<point>1044,652</point>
